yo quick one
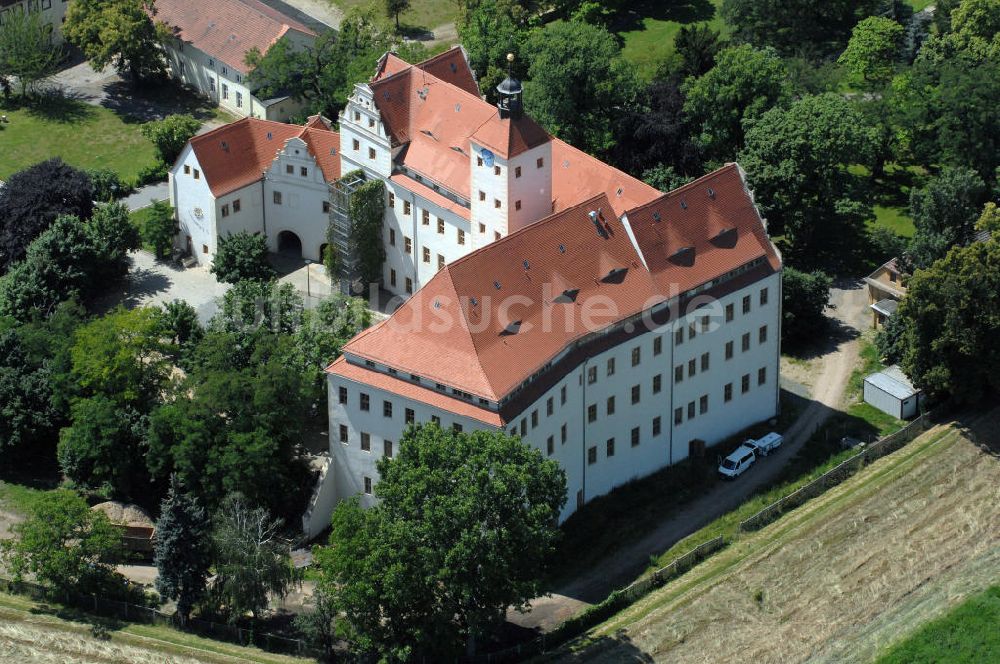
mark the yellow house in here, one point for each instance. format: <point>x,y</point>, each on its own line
<point>885,290</point>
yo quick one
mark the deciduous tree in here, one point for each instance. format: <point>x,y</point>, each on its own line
<point>696,46</point>
<point>489,30</point>
<point>26,49</point>
<point>170,135</point>
<point>944,213</point>
<point>160,228</point>
<point>872,51</point>
<point>793,25</point>
<point>462,532</point>
<point>744,83</point>
<point>29,416</point>
<point>120,33</point>
<point>242,257</point>
<point>393,8</point>
<point>804,297</point>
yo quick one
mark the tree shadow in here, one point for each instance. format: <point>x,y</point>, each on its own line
<point>619,648</point>
<point>145,104</point>
<point>100,626</point>
<point>684,12</point>
<point>415,32</point>
<point>59,107</point>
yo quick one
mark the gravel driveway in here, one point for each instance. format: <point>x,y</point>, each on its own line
<point>850,309</point>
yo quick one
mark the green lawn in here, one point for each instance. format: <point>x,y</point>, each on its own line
<point>969,633</point>
<point>82,135</point>
<point>426,14</point>
<point>649,31</point>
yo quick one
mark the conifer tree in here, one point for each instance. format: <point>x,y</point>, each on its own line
<point>183,549</point>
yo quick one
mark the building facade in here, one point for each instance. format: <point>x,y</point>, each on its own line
<point>210,45</point>
<point>257,176</point>
<point>616,345</point>
<point>53,13</point>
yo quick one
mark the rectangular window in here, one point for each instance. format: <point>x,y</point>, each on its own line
<point>479,161</point>
<point>408,416</point>
<point>517,205</point>
<point>745,383</point>
<point>562,395</point>
<point>392,277</point>
<point>539,162</point>
<point>365,402</point>
<point>610,447</point>
<point>703,404</point>
<point>592,412</point>
<point>440,261</point>
<point>225,90</point>
<point>435,420</point>
<point>461,236</point>
<point>729,350</point>
<point>482,228</point>
<point>225,210</point>
<point>635,436</point>
<point>636,356</point>
<point>550,446</point>
<point>679,373</point>
<point>409,285</point>
<point>303,171</point>
<point>534,419</point>
<point>591,456</point>
<point>407,245</point>
<point>366,442</point>
<point>635,394</point>
<point>356,145</point>
<point>326,207</point>
<point>387,409</point>
<point>482,195</point>
<point>727,393</point>
<point>524,427</point>
<point>289,169</point>
<point>371,153</point>
<point>357,116</point>
<point>692,367</point>
<point>730,312</point>
<point>763,296</point>
<point>392,237</point>
<point>549,407</point>
<point>239,100</point>
<point>187,169</point>
<point>678,415</point>
<point>657,345</point>
<point>343,433</point>
<point>746,304</point>
<point>407,207</point>
<point>691,410</point>
<point>440,225</point>
<point>692,330</point>
<point>678,336</point>
<point>657,383</point>
<point>342,394</point>
<point>276,197</point>
<point>562,433</point>
<point>611,366</point>
<point>517,171</point>
<point>387,448</point>
<point>704,361</point>
<point>761,375</point>
<point>496,235</point>
<point>762,334</point>
<point>427,255</point>
<point>496,203</point>
<point>456,427</point>
<point>745,342</point>
<point>371,122</point>
<point>656,425</point>
<point>496,170</point>
<point>425,217</point>
<point>197,174</point>
<point>611,405</point>
<point>392,200</point>
<point>591,375</point>
<point>704,323</point>
<point>368,485</point>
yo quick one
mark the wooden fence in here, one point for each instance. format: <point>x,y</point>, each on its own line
<point>838,474</point>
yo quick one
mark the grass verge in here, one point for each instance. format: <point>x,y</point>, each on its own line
<point>80,634</point>
<point>648,30</point>
<point>969,633</point>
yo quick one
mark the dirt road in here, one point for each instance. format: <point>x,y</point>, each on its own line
<point>850,311</point>
<point>838,579</point>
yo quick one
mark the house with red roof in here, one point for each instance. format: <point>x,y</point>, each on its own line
<point>258,176</point>
<point>210,44</point>
<point>615,339</point>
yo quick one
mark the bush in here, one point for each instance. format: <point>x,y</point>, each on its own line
<point>108,185</point>
<point>804,296</point>
<point>242,257</point>
<point>150,174</point>
<point>170,134</point>
<point>159,228</point>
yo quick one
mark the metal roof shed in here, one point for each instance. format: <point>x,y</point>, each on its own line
<point>891,392</point>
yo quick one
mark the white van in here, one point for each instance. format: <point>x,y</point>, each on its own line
<point>737,463</point>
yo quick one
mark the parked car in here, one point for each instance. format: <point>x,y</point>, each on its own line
<point>766,445</point>
<point>737,463</point>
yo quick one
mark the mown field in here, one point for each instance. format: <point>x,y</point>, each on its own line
<point>840,579</point>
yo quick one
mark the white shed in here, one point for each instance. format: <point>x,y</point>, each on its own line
<point>892,392</point>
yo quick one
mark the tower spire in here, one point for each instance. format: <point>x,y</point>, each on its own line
<point>509,93</point>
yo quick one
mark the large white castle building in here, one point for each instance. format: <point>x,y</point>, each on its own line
<point>615,328</point>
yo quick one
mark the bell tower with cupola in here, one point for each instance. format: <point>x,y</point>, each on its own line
<point>509,94</point>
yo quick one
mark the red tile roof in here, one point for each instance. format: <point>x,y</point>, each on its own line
<point>235,155</point>
<point>576,176</point>
<point>452,66</point>
<point>429,194</point>
<point>405,388</point>
<point>227,29</point>
<point>478,352</point>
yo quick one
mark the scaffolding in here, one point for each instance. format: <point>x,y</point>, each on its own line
<point>342,232</point>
